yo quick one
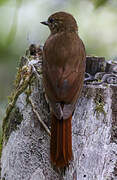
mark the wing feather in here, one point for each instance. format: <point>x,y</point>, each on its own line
<point>64,73</point>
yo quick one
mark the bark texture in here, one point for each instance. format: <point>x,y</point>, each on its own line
<point>26,144</point>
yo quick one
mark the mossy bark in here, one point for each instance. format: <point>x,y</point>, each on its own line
<point>15,119</point>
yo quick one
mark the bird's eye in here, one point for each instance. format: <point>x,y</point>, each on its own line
<point>51,20</point>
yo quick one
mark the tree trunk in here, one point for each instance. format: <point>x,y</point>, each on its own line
<point>26,128</point>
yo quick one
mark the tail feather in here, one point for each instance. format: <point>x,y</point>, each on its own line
<point>61,141</point>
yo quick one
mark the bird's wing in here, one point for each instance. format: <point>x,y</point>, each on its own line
<point>63,84</point>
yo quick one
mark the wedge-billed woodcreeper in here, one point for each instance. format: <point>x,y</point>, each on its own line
<point>63,74</point>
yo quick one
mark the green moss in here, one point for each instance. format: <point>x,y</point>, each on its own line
<point>28,93</point>
<point>15,118</point>
<point>10,98</point>
<point>3,178</point>
<point>103,67</point>
<point>18,78</point>
<point>9,125</point>
<point>99,80</point>
<point>99,108</point>
<point>0,144</point>
<point>15,96</point>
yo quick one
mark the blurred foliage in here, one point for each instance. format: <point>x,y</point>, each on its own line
<point>13,30</point>
<point>99,3</point>
<point>2,2</point>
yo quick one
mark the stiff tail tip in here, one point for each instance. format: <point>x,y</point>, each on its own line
<point>61,141</point>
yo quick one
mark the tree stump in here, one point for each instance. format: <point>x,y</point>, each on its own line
<point>26,127</point>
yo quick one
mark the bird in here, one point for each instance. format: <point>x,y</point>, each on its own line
<point>63,68</point>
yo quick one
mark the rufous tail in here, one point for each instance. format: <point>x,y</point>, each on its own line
<point>61,141</point>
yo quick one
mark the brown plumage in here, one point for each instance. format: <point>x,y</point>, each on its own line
<point>63,74</point>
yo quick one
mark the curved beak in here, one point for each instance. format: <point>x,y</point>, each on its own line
<point>45,23</point>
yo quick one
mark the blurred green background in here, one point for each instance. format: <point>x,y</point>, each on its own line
<point>20,26</point>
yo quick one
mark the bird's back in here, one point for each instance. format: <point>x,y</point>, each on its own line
<point>64,65</point>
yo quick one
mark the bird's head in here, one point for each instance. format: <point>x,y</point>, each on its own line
<point>61,21</point>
